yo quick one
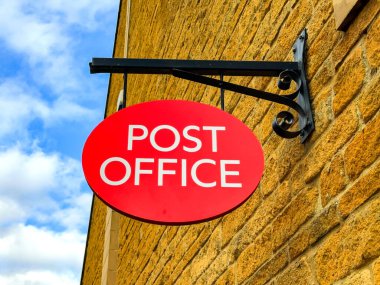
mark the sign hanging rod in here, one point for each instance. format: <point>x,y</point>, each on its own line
<point>201,67</point>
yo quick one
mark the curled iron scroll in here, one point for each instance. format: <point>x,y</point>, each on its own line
<point>284,120</point>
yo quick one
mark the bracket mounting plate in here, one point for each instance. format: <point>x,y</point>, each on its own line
<point>299,51</point>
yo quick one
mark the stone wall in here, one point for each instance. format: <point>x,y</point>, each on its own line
<point>315,217</point>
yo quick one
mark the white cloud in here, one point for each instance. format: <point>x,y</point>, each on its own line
<point>86,13</point>
<point>41,277</point>
<point>28,248</point>
<point>66,110</point>
<point>23,175</point>
<point>29,33</point>
<point>76,215</point>
<point>11,212</point>
<point>21,105</point>
<point>45,43</point>
<point>46,187</point>
<point>17,109</point>
<point>43,34</point>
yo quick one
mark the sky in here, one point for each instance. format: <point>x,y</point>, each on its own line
<point>49,103</point>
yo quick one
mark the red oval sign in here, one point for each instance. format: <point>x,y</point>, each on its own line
<point>172,162</point>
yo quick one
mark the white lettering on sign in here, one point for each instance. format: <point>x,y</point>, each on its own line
<point>190,140</point>
<point>142,134</point>
<point>198,143</point>
<point>132,137</point>
<point>194,173</point>
<point>152,138</point>
<point>213,135</point>
<point>161,166</point>
<point>139,171</point>
<point>224,173</point>
<point>111,182</point>
<point>161,170</point>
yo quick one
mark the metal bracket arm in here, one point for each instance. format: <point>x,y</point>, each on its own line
<point>203,67</point>
<point>195,70</point>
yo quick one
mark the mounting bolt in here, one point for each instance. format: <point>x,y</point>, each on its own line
<point>294,49</point>
<point>284,81</point>
<point>301,37</point>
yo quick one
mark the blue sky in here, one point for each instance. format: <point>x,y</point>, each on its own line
<point>49,103</point>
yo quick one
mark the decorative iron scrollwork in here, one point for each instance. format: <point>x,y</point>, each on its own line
<point>284,120</point>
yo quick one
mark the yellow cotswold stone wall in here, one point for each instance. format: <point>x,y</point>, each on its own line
<point>315,217</point>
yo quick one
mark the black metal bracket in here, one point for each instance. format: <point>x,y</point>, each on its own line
<point>195,70</point>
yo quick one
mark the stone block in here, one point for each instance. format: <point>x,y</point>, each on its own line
<point>206,254</point>
<point>348,80</point>
<point>369,99</point>
<point>358,278</point>
<point>373,44</point>
<point>270,179</point>
<point>254,256</point>
<point>290,30</point>
<point>376,271</point>
<point>363,149</point>
<point>313,231</point>
<point>322,78</point>
<point>297,178</point>
<point>227,278</point>
<point>322,12</point>
<point>219,265</point>
<point>330,142</point>
<point>356,242</point>
<point>321,47</point>
<point>360,191</point>
<point>323,114</point>
<point>267,210</point>
<point>269,269</point>
<point>298,272</point>
<point>232,222</point>
<point>294,215</point>
<point>332,180</point>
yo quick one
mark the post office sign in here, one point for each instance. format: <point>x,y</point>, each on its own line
<point>172,162</point>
